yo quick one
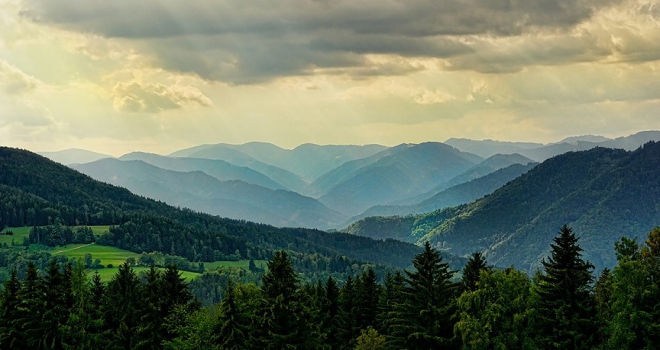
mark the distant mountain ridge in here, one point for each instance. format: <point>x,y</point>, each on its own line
<point>540,152</point>
<point>199,191</point>
<point>410,170</point>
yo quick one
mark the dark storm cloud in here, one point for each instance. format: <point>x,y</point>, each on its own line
<point>256,40</point>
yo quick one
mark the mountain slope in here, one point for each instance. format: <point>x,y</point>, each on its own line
<point>37,191</point>
<point>410,170</point>
<point>602,193</point>
<point>456,195</point>
<point>236,157</point>
<point>199,191</point>
<point>219,169</point>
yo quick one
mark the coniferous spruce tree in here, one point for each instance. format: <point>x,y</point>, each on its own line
<point>476,263</point>
<point>232,330</point>
<point>284,322</point>
<point>347,328</point>
<point>330,311</point>
<point>367,293</point>
<point>390,310</point>
<point>30,308</point>
<point>565,304</point>
<point>122,308</point>
<point>10,335</point>
<point>429,303</point>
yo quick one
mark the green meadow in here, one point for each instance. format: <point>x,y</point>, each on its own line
<point>17,237</point>
<point>109,255</point>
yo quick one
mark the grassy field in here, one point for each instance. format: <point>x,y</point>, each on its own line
<point>107,255</point>
<point>19,234</point>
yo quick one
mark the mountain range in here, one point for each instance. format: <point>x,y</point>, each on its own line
<point>505,199</point>
<point>329,187</point>
<point>602,193</point>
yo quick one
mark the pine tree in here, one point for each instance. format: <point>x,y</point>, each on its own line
<point>367,293</point>
<point>565,304</point>
<point>232,330</point>
<point>285,323</point>
<point>122,308</point>
<point>347,328</point>
<point>10,335</point>
<point>30,308</point>
<point>476,263</point>
<point>329,312</point>
<point>429,303</point>
<point>389,302</point>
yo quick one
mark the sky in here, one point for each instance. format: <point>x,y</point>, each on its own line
<point>162,75</point>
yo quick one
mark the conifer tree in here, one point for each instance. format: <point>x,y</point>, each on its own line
<point>565,304</point>
<point>390,310</point>
<point>429,303</point>
<point>347,328</point>
<point>476,263</point>
<point>330,311</point>
<point>30,308</point>
<point>232,329</point>
<point>367,293</point>
<point>122,308</point>
<point>285,323</point>
<point>10,335</point>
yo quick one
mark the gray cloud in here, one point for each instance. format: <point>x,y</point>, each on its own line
<point>253,41</point>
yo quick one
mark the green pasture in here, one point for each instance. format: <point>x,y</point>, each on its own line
<point>107,254</point>
<point>19,234</point>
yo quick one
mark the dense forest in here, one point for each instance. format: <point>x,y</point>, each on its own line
<point>563,306</point>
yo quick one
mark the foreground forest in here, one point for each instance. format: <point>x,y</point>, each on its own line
<point>563,306</point>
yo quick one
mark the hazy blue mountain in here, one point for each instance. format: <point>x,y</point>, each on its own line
<point>456,195</point>
<point>540,152</point>
<point>587,138</point>
<point>199,191</point>
<point>487,166</point>
<point>347,170</point>
<point>602,193</point>
<point>74,156</point>
<point>219,169</point>
<point>311,161</point>
<point>236,157</point>
<point>632,142</point>
<point>488,148</point>
<point>407,171</point>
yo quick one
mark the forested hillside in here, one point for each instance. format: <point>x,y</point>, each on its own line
<point>603,193</point>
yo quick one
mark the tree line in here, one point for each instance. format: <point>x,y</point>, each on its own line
<point>563,306</point>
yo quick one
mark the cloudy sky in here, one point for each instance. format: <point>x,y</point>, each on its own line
<point>160,75</point>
